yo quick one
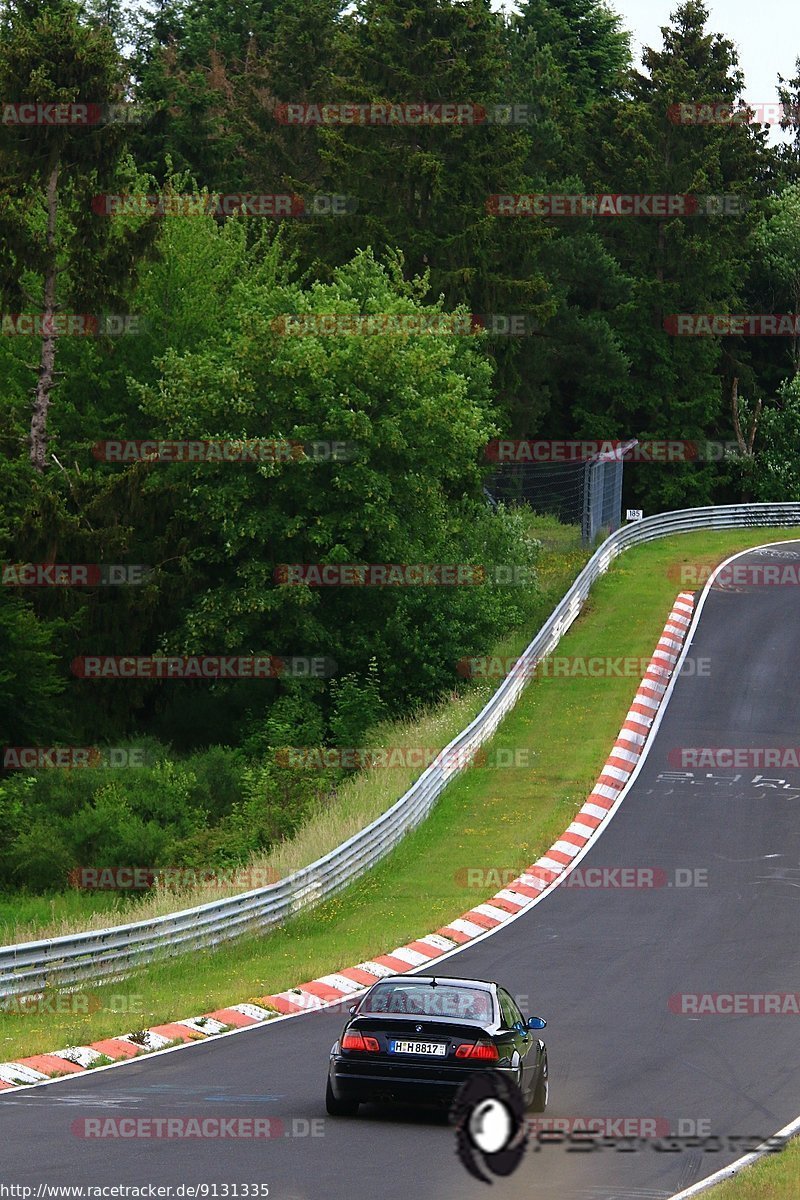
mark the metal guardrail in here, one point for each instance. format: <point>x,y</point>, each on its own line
<point>57,962</point>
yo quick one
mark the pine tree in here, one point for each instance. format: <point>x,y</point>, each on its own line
<point>677,388</point>
<point>587,42</point>
<point>577,359</point>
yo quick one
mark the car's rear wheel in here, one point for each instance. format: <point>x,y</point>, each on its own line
<point>339,1108</point>
<point>542,1093</point>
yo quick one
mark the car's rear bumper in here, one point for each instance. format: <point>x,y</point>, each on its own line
<point>412,1083</point>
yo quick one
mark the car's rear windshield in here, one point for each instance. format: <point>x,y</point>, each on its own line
<point>429,1000</point>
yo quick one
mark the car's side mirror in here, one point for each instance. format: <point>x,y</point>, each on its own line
<point>536,1023</point>
<point>520,1028</point>
<point>353,1008</point>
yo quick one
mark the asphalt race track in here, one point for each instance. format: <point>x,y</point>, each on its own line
<point>601,964</point>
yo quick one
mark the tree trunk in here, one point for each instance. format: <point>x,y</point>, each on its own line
<point>47,359</point>
<point>737,425</point>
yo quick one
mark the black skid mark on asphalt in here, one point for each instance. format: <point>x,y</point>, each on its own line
<point>692,1170</point>
<point>728,1079</point>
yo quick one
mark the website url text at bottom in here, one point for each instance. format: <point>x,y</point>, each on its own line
<point>190,1191</point>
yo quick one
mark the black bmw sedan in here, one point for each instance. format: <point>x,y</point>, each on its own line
<point>418,1038</point>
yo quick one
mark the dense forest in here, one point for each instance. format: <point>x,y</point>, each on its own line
<point>186,186</point>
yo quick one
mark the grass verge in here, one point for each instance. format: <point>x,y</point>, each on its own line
<point>500,818</point>
<point>775,1177</point>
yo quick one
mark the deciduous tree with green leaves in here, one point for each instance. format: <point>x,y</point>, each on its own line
<point>60,255</point>
<point>418,411</point>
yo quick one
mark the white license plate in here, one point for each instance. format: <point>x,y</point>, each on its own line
<point>418,1048</point>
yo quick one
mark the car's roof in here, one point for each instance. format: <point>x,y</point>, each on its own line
<point>487,985</point>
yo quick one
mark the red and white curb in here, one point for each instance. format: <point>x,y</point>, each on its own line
<point>505,904</point>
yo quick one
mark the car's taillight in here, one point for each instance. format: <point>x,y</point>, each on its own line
<point>486,1051</point>
<point>357,1041</point>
